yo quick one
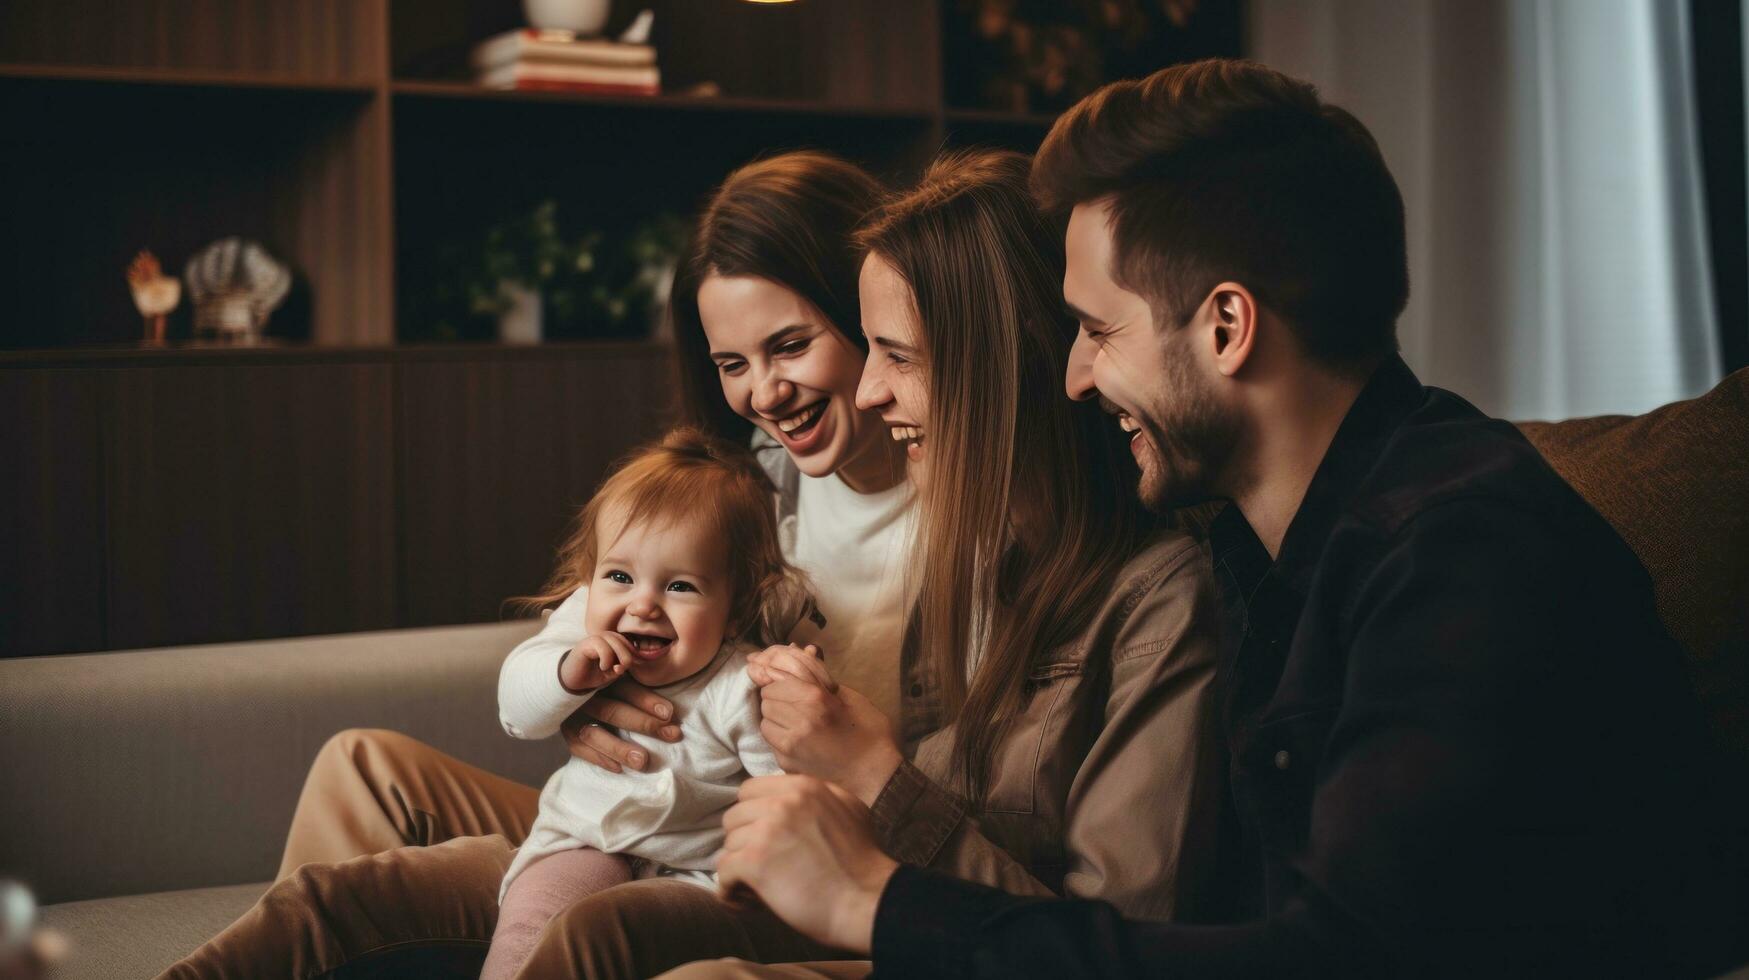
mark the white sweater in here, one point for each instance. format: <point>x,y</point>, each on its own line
<point>669,817</point>
<point>853,547</point>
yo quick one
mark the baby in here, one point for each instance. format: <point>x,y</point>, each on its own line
<point>673,576</point>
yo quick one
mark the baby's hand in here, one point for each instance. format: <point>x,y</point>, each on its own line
<point>596,662</point>
<point>786,660</point>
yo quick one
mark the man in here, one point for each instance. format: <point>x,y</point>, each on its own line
<point>1459,741</point>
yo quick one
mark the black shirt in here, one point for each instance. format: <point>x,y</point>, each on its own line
<point>1460,743</point>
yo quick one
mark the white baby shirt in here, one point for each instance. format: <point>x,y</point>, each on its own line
<point>669,817</point>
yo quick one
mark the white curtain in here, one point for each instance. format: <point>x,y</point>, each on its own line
<point>1549,162</point>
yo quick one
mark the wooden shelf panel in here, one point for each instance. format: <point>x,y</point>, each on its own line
<point>219,355</point>
<point>253,501</point>
<point>502,453</point>
<point>51,512</point>
<point>661,103</point>
<point>217,495</point>
<point>185,77</point>
<point>337,40</point>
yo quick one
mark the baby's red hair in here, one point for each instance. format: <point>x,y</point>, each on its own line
<point>688,475</point>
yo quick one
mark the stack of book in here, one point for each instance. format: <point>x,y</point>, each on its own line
<point>557,61</point>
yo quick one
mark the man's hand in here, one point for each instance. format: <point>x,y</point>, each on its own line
<point>807,849</point>
<point>821,729</point>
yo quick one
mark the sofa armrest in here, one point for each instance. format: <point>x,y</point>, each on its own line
<point>151,770</point>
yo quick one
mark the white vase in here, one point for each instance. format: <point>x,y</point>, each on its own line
<point>520,322</point>
<point>580,17</point>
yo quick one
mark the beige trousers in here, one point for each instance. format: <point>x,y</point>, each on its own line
<point>395,846</point>
<point>371,790</point>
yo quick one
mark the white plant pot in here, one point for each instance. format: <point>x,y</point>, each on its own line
<point>581,17</point>
<point>521,322</point>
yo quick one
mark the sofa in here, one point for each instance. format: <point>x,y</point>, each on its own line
<point>147,792</point>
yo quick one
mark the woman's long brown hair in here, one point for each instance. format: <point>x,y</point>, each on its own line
<point>1029,510</point>
<point>788,219</point>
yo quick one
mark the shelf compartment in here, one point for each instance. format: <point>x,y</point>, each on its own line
<point>91,172</point>
<point>793,53</point>
<point>467,159</point>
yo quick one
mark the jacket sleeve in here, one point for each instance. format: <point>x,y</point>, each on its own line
<point>531,701</point>
<point>930,924</point>
<point>1150,757</point>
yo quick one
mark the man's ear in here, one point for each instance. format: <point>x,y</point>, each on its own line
<point>1232,317</point>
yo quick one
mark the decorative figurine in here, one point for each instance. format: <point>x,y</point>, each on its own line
<point>155,294</point>
<point>235,285</point>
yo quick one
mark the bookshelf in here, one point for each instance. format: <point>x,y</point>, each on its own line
<point>346,136</point>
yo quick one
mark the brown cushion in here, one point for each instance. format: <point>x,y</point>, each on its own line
<point>1675,484</point>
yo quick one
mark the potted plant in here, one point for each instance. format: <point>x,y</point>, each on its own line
<point>519,260</point>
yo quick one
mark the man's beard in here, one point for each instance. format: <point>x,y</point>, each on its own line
<point>1190,437</point>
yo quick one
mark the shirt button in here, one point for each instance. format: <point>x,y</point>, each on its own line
<point>1282,759</point>
<point>917,690</point>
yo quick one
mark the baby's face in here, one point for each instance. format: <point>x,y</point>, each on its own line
<point>665,589</point>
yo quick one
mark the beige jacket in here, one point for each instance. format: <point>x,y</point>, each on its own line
<point>1107,786</point>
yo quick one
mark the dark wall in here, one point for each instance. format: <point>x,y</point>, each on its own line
<point>159,498</point>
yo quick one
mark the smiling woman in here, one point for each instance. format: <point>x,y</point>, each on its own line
<point>969,360</point>
<point>787,369</point>
<point>767,330</point>
<point>769,344</point>
<point>893,380</point>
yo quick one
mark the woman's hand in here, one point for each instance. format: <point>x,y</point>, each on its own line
<point>626,706</point>
<point>806,848</point>
<point>819,728</point>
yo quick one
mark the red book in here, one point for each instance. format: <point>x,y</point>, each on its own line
<point>625,80</point>
<point>588,88</point>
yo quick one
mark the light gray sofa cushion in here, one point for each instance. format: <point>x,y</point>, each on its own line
<point>139,935</point>
<point>157,770</point>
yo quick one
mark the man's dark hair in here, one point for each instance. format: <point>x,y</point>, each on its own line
<point>1226,170</point>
